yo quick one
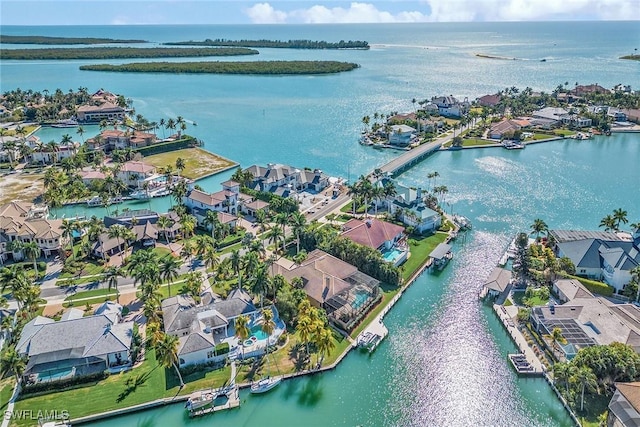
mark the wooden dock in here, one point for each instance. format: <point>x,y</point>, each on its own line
<point>372,335</point>
<point>233,401</point>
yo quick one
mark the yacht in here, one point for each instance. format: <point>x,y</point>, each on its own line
<point>265,384</point>
<point>200,399</point>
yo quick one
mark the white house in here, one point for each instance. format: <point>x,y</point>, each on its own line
<point>408,205</point>
<point>401,135</point>
<point>133,173</point>
<point>600,255</point>
<point>449,106</point>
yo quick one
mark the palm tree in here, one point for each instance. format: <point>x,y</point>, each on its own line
<point>587,379</point>
<point>211,219</point>
<point>162,124</point>
<point>261,219</point>
<point>324,343</point>
<point>539,226</point>
<point>68,228</point>
<point>275,236</point>
<point>80,132</point>
<point>117,231</point>
<point>164,223</point>
<point>180,165</point>
<point>188,223</point>
<point>11,361</point>
<point>297,221</point>
<point>608,222</point>
<point>169,266</point>
<point>210,258</point>
<point>242,329</point>
<point>268,325</point>
<point>32,250</point>
<point>620,215</point>
<point>305,329</point>
<point>167,354</point>
<point>556,336</point>
<point>111,277</point>
<point>562,372</point>
<point>187,251</point>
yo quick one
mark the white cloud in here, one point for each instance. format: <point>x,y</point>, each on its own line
<point>264,13</point>
<point>450,11</point>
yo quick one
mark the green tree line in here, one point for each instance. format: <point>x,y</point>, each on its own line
<point>121,52</point>
<point>253,67</point>
<point>290,44</point>
<point>5,39</point>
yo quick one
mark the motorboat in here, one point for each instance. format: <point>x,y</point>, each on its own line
<point>67,123</point>
<point>140,195</point>
<point>265,384</point>
<point>200,399</point>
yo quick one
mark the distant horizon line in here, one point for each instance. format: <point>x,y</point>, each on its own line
<point>284,24</point>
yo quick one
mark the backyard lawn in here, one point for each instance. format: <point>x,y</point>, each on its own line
<point>198,162</point>
<point>420,248</point>
<point>145,383</point>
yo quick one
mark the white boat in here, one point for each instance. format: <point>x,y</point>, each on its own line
<point>200,399</point>
<point>94,201</point>
<point>68,123</point>
<point>265,384</point>
<point>140,195</point>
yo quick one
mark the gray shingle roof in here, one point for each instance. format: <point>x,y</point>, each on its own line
<point>194,342</point>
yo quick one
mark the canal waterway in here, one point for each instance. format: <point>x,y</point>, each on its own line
<point>444,361</point>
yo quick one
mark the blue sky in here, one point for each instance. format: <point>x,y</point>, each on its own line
<point>100,12</point>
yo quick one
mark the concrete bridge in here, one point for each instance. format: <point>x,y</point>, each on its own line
<point>411,158</point>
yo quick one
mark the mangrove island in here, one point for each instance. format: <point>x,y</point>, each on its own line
<point>121,52</point>
<point>290,44</point>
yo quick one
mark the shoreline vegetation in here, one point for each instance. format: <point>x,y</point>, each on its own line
<point>289,44</point>
<point>5,39</point>
<point>121,52</point>
<point>216,67</point>
<point>631,57</point>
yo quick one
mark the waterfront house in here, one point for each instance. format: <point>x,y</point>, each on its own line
<point>549,117</point>
<point>587,321</point>
<point>401,135</point>
<point>201,327</point>
<point>28,222</point>
<point>599,255</point>
<point>114,139</point>
<point>96,113</point>
<point>277,178</point>
<point>616,114</point>
<point>74,346</point>
<point>89,176</point>
<point>633,114</point>
<point>449,106</point>
<point>624,406</point>
<point>504,129</point>
<point>133,173</point>
<point>345,293</point>
<point>569,289</point>
<point>409,207</point>
<point>44,155</point>
<point>489,100</point>
<point>380,235</point>
<point>582,90</point>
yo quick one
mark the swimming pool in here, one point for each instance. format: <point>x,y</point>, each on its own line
<point>391,255</point>
<point>55,374</point>
<point>360,298</point>
<point>256,331</point>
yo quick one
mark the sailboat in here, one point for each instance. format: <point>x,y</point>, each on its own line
<point>265,384</point>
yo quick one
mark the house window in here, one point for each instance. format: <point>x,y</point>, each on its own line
<point>210,354</point>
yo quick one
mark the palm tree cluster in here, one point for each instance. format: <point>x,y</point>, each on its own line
<point>364,190</point>
<point>313,329</point>
<point>44,106</point>
<point>612,222</point>
<point>596,369</point>
<point>14,279</point>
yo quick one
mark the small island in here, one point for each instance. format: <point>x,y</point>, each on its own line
<point>215,67</point>
<point>631,57</point>
<point>5,39</point>
<point>289,44</point>
<point>121,52</point>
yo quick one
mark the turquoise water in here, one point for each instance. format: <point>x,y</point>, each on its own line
<point>455,372</point>
<point>390,255</point>
<point>55,375</point>
<point>360,298</point>
<point>257,332</point>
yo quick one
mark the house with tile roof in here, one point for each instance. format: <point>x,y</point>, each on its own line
<point>624,406</point>
<point>95,113</point>
<point>489,100</point>
<point>74,346</point>
<point>345,293</point>
<point>599,255</point>
<point>503,129</point>
<point>379,235</point>
<point>133,173</point>
<point>201,327</point>
<point>29,223</point>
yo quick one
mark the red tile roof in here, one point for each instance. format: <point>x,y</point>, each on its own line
<point>371,232</point>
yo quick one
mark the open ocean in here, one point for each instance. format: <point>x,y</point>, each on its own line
<point>444,362</point>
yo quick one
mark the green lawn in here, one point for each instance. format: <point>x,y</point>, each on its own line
<point>161,251</point>
<point>564,132</point>
<point>6,390</point>
<point>145,383</point>
<point>348,208</point>
<point>90,268</point>
<point>594,406</point>
<point>471,142</point>
<point>538,136</point>
<point>198,162</point>
<point>519,298</point>
<point>94,296</point>
<point>420,249</point>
